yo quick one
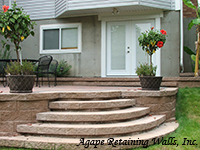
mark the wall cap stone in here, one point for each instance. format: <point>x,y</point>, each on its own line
<point>52,95</point>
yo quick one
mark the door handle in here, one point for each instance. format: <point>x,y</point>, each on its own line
<point>128,49</point>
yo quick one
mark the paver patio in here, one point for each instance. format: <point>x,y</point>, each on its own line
<point>46,88</point>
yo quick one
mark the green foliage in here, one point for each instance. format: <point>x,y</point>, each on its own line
<point>195,21</point>
<point>188,51</point>
<point>193,57</point>
<point>150,39</point>
<point>5,50</point>
<point>189,4</point>
<point>15,68</point>
<point>63,69</point>
<point>16,26</point>
<point>146,70</point>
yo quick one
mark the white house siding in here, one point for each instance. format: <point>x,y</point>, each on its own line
<point>92,4</point>
<point>46,9</point>
<point>162,4</point>
<point>60,7</point>
<point>80,7</point>
<point>4,2</point>
<point>38,9</point>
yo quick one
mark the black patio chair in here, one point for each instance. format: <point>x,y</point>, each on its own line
<point>43,68</point>
<point>2,72</point>
<point>52,70</point>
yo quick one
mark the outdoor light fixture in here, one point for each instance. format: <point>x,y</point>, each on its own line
<point>115,11</point>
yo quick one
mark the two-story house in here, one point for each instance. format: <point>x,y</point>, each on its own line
<point>99,37</point>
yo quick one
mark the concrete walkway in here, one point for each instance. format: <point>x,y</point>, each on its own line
<point>73,88</point>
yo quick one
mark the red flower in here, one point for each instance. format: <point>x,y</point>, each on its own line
<point>163,32</point>
<point>160,44</point>
<point>5,8</point>
<point>152,28</point>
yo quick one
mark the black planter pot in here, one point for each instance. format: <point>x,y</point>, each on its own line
<point>150,82</point>
<point>21,83</point>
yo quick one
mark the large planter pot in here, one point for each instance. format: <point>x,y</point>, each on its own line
<point>150,82</point>
<point>21,83</point>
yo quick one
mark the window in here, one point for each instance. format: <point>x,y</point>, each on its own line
<point>60,38</point>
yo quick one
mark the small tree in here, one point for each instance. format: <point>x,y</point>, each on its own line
<point>150,41</point>
<point>15,25</point>
<point>193,22</point>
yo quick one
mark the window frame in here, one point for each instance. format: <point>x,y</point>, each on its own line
<point>60,27</point>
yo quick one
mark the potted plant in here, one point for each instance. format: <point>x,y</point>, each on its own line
<point>16,26</point>
<point>20,78</point>
<point>150,41</point>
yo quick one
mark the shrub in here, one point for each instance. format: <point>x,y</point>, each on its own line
<point>146,70</point>
<point>15,68</point>
<point>63,69</point>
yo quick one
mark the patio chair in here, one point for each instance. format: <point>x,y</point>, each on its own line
<point>2,72</point>
<point>43,68</point>
<point>52,70</point>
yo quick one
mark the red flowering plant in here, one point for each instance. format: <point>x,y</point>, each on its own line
<point>15,25</point>
<point>150,41</point>
<point>5,8</point>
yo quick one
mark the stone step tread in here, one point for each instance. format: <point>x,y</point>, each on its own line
<point>144,120</point>
<point>41,142</point>
<point>127,110</point>
<point>112,115</point>
<point>89,101</point>
<point>88,104</point>
<point>141,124</point>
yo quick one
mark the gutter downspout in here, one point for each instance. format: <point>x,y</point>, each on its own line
<point>181,38</point>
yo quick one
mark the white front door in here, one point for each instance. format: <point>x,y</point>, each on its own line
<point>118,48</point>
<point>123,51</point>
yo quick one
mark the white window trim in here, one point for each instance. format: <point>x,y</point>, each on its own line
<point>60,26</point>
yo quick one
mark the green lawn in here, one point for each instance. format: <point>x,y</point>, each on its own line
<point>188,117</point>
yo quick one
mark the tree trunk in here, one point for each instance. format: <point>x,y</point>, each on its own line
<point>151,64</point>
<point>151,60</point>
<point>17,52</point>
<point>197,54</point>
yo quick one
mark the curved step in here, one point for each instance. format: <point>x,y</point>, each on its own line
<point>99,104</point>
<point>101,116</point>
<point>142,124</point>
<point>71,143</point>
